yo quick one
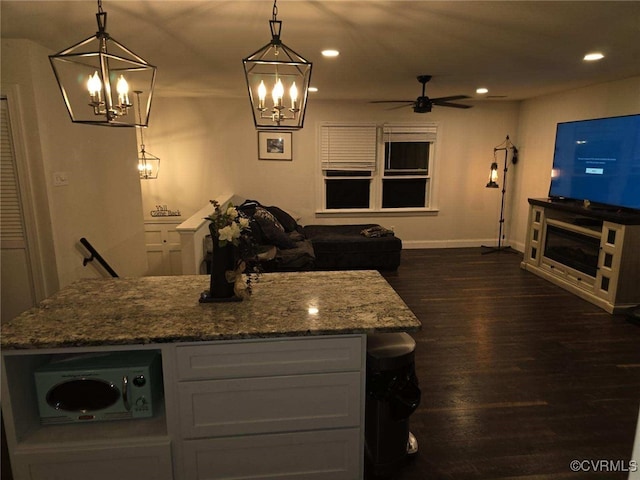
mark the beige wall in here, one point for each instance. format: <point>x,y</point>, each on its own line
<point>200,142</point>
<point>208,147</point>
<point>103,199</point>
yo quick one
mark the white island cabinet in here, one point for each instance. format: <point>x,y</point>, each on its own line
<point>272,387</point>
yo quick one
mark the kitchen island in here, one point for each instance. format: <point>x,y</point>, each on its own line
<point>264,388</point>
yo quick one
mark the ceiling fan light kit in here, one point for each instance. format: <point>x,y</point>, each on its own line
<point>96,77</point>
<point>424,104</point>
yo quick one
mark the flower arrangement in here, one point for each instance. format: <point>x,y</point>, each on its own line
<point>228,223</point>
<point>230,229</point>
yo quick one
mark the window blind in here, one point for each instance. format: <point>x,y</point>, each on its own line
<point>347,147</point>
<point>411,133</point>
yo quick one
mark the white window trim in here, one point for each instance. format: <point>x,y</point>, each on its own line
<point>378,175</point>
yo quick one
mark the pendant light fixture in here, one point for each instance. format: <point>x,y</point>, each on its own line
<point>278,82</point>
<point>96,77</point>
<point>148,164</point>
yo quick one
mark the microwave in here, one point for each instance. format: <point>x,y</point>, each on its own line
<point>100,386</point>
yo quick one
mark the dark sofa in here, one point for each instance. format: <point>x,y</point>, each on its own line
<point>287,246</point>
<point>344,247</point>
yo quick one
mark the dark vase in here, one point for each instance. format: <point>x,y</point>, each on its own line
<point>222,260</point>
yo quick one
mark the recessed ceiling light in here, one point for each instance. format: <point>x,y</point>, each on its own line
<point>330,53</point>
<point>313,89</point>
<point>482,90</point>
<point>591,57</point>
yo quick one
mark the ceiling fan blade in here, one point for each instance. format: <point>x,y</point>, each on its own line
<point>448,99</point>
<point>393,101</point>
<point>401,106</point>
<point>449,104</point>
<point>423,103</point>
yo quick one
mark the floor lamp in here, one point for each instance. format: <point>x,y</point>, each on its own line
<point>505,147</point>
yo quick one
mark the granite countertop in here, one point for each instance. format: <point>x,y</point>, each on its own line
<point>121,311</point>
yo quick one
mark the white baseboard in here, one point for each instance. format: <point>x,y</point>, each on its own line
<point>417,244</point>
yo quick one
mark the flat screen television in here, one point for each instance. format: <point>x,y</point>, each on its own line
<point>599,161</point>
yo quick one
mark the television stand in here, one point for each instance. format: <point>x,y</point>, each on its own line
<point>593,253</point>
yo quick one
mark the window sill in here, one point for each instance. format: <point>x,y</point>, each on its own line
<point>386,212</point>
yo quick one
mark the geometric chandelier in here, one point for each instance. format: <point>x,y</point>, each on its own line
<point>96,77</point>
<point>278,83</point>
<point>148,164</point>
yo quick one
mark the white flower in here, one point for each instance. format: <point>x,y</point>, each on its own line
<point>232,212</point>
<point>244,223</point>
<point>230,233</point>
<point>235,230</point>
<point>225,234</point>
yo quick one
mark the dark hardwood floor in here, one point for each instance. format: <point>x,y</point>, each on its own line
<point>518,376</point>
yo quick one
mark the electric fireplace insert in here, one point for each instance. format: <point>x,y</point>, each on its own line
<point>573,249</point>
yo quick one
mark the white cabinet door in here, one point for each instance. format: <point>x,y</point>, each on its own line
<point>268,359</point>
<point>319,455</point>
<point>148,462</point>
<point>270,404</point>
<point>277,409</point>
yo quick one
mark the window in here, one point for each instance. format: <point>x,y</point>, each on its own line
<point>377,168</point>
<point>407,155</point>
<point>348,156</point>
<point>347,189</point>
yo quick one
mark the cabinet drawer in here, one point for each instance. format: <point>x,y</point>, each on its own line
<point>322,455</point>
<point>580,280</point>
<point>269,357</point>
<point>148,462</point>
<point>568,274</point>
<point>270,404</point>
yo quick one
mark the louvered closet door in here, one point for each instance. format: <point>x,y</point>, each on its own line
<point>17,286</point>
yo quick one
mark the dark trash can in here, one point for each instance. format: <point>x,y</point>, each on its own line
<point>392,396</point>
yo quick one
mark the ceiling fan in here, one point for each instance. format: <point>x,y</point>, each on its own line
<point>423,104</point>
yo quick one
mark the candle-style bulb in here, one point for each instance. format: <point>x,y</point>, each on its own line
<point>293,92</point>
<point>278,93</point>
<point>94,85</point>
<point>262,94</point>
<point>122,87</point>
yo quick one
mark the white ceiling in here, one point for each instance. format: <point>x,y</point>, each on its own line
<point>517,49</point>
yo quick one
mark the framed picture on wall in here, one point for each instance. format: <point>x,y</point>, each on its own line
<point>275,146</point>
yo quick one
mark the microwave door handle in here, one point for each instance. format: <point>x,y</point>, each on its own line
<point>125,392</point>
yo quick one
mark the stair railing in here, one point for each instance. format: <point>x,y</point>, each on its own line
<point>96,256</point>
